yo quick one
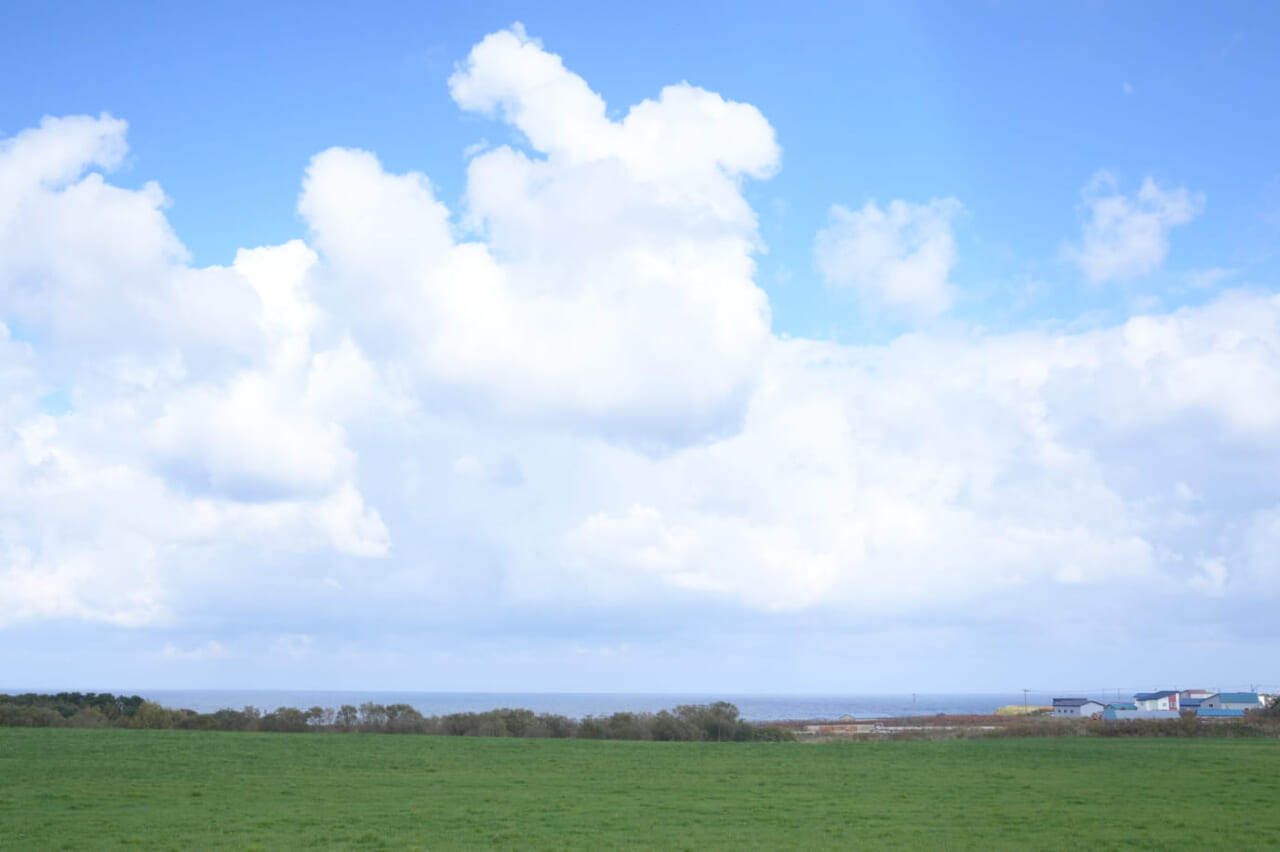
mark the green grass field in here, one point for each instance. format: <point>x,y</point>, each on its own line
<point>74,789</point>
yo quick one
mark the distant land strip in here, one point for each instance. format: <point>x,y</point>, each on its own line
<point>719,721</point>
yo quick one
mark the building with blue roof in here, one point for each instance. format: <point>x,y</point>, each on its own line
<point>1077,707</point>
<point>1166,699</point>
<point>1219,713</point>
<point>1233,701</point>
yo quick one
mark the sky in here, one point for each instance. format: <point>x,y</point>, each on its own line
<point>924,347</point>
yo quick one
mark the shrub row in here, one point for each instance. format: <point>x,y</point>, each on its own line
<point>688,722</point>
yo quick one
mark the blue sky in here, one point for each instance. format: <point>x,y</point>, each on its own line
<point>1008,109</point>
<point>935,342</point>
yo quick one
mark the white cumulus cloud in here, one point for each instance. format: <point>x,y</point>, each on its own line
<point>939,469</point>
<point>564,398</point>
<point>604,279</point>
<point>197,421</point>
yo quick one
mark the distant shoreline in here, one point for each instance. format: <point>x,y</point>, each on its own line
<point>719,721</point>
<point>757,707</point>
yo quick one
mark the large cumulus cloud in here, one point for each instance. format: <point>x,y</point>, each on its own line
<point>160,420</point>
<point>601,280</point>
<point>565,395</point>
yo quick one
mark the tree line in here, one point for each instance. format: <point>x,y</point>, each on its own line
<point>717,722</point>
<point>41,710</point>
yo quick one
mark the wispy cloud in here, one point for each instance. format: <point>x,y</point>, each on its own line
<point>1128,236</point>
<point>896,256</point>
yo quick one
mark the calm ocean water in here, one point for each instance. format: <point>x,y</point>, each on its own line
<point>757,708</point>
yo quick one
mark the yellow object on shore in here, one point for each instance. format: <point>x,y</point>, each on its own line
<point>1022,710</point>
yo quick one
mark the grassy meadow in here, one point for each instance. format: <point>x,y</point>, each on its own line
<point>112,789</point>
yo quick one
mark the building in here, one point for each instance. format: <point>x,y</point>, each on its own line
<point>1113,715</point>
<point>1220,713</point>
<point>1185,695</point>
<point>1233,701</point>
<point>1122,705</point>
<point>1164,700</point>
<point>1191,699</point>
<point>1077,707</point>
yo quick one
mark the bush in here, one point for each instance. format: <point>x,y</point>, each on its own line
<point>518,722</point>
<point>89,717</point>
<point>773,734</point>
<point>285,720</point>
<point>347,717</point>
<point>153,716</point>
<point>373,717</point>
<point>235,720</point>
<point>669,727</point>
<point>553,725</point>
<point>403,719</point>
<point>320,717</point>
<point>26,716</point>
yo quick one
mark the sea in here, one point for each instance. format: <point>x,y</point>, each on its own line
<point>756,707</point>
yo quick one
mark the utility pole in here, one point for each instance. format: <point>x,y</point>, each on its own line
<point>1024,699</point>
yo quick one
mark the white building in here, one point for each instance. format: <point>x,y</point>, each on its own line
<point>1163,700</point>
<point>1077,707</point>
<point>1233,701</point>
